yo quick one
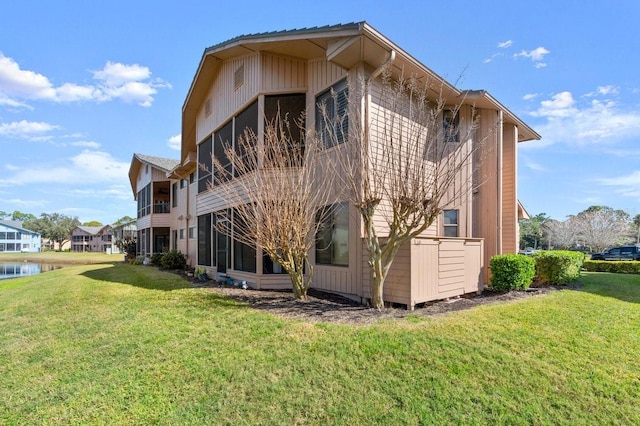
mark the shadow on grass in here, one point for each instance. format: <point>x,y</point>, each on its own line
<point>624,287</point>
<point>147,277</point>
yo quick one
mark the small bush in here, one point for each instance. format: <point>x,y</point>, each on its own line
<point>156,259</point>
<point>174,260</point>
<point>511,271</point>
<point>618,267</point>
<point>134,261</point>
<point>558,266</point>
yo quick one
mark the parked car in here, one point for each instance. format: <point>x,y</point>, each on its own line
<point>528,251</point>
<point>628,252</point>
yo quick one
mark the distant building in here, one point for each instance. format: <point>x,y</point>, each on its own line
<point>92,239</point>
<point>152,190</point>
<point>122,233</point>
<point>14,238</point>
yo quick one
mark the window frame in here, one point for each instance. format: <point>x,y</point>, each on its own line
<point>336,99</point>
<point>446,227</point>
<point>334,226</point>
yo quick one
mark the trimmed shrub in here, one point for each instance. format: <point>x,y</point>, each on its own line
<point>618,267</point>
<point>156,259</point>
<point>558,266</point>
<point>511,271</point>
<point>174,260</point>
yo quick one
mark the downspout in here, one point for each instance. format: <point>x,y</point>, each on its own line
<point>499,143</point>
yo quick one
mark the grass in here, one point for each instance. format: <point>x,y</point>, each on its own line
<point>114,343</point>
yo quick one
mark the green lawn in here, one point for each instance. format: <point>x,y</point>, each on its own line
<point>113,343</point>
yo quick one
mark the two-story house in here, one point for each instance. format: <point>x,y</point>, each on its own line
<point>241,79</point>
<point>92,239</point>
<point>152,190</point>
<point>15,239</point>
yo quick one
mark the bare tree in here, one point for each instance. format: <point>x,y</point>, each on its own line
<point>277,188</point>
<point>410,157</point>
<point>601,227</point>
<point>562,234</point>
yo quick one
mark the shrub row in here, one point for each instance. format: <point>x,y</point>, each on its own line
<point>619,267</point>
<point>512,271</point>
<point>515,271</point>
<point>173,259</point>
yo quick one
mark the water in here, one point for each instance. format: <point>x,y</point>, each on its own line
<point>23,269</point>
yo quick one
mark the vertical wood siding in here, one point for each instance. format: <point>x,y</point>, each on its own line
<point>509,193</point>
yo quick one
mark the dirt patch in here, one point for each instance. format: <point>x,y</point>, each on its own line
<point>326,307</point>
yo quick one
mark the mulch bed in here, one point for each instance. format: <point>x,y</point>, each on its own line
<point>326,307</point>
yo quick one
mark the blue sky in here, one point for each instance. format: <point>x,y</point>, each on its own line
<point>84,85</point>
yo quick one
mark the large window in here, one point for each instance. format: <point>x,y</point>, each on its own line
<point>333,125</point>
<point>332,240</point>
<point>204,164</point>
<point>174,194</point>
<point>451,125</point>
<point>205,253</point>
<point>246,126</point>
<point>221,139</point>
<point>144,201</point>
<point>244,256</point>
<point>450,223</point>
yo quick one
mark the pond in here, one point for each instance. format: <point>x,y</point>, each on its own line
<point>23,269</point>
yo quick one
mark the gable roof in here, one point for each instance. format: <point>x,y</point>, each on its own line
<point>17,225</point>
<point>93,230</point>
<point>160,163</point>
<point>345,45</point>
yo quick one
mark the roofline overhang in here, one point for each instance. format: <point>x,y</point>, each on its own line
<point>483,99</point>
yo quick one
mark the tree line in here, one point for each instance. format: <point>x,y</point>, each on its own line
<point>54,227</point>
<point>592,230</point>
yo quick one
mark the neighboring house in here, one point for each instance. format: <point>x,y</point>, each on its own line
<point>15,239</point>
<point>92,239</point>
<point>152,189</point>
<point>123,232</point>
<point>238,80</point>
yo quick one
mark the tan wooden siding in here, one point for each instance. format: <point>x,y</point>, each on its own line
<point>432,269</point>
<point>282,74</point>
<point>509,192</point>
<point>322,75</point>
<point>226,100</point>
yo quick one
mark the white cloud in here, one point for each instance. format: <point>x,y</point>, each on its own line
<point>130,83</point>
<point>87,168</point>
<point>536,55</point>
<point>505,44</point>
<point>175,142</point>
<point>585,120</point>
<point>86,144</point>
<point>18,83</point>
<point>117,74</point>
<point>32,130</point>
<point>530,96</point>
<point>626,186</point>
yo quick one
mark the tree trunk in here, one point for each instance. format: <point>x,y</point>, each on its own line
<point>378,274</point>
<point>298,284</point>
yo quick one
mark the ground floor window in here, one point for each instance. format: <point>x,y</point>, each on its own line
<point>244,255</point>
<point>332,239</point>
<point>204,240</point>
<point>450,223</point>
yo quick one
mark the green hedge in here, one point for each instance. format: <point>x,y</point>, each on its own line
<point>558,266</point>
<point>511,271</point>
<point>619,267</point>
<point>173,260</point>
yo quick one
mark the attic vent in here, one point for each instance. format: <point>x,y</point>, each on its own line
<point>238,77</point>
<point>207,107</point>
